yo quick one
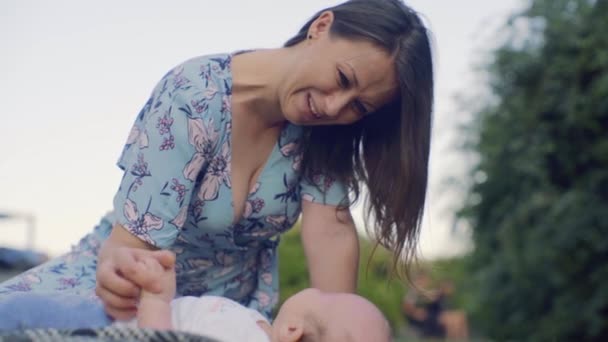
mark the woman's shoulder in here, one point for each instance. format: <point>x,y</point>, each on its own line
<point>200,73</point>
<point>205,65</point>
<point>218,61</point>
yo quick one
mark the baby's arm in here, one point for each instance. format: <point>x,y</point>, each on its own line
<point>154,309</point>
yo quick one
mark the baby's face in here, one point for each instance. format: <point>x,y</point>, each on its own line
<point>322,316</point>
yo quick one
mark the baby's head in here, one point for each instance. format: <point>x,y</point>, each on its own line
<point>314,315</point>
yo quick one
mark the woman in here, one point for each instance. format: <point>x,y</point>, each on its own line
<point>231,148</point>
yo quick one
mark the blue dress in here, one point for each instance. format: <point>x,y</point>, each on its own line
<point>176,194</point>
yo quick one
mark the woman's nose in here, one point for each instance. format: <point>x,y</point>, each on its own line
<point>337,102</point>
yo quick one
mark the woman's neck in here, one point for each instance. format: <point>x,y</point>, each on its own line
<point>256,80</point>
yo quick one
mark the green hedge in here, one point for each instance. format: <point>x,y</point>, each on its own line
<point>540,210</point>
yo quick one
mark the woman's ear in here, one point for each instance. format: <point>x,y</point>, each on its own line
<point>291,332</point>
<point>321,25</point>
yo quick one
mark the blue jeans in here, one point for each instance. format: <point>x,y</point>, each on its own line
<point>29,310</point>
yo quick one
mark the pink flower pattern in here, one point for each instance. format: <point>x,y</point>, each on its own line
<point>204,138</point>
<point>218,173</point>
<point>141,225</point>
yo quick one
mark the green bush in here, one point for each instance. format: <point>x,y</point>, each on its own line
<point>539,211</point>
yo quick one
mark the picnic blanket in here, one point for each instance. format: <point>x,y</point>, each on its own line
<point>107,334</point>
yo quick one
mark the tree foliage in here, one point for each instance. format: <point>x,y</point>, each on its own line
<point>539,206</point>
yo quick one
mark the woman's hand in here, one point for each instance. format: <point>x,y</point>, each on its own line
<point>116,263</point>
<point>151,274</point>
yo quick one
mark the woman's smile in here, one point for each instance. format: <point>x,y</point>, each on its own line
<point>313,109</point>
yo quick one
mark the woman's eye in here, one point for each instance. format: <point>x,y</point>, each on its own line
<point>360,108</point>
<point>343,79</point>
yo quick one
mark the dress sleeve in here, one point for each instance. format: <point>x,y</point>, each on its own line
<point>323,190</point>
<point>167,149</point>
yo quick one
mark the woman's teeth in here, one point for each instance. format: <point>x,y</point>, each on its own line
<point>314,111</point>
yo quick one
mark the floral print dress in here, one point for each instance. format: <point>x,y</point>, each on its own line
<point>176,194</point>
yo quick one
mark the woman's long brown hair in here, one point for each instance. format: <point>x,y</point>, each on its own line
<point>387,151</point>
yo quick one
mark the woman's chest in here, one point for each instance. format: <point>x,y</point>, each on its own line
<point>271,206</point>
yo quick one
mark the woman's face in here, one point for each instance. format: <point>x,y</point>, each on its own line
<point>335,80</point>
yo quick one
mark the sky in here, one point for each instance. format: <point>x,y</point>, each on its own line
<point>74,74</point>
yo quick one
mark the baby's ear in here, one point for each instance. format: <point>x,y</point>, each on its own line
<point>291,332</point>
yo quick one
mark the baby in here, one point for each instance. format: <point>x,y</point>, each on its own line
<point>309,315</point>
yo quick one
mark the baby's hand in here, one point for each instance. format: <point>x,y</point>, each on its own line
<point>149,271</point>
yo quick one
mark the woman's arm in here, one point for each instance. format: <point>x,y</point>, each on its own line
<point>331,246</point>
